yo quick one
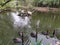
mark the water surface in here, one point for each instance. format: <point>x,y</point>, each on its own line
<point>8,24</point>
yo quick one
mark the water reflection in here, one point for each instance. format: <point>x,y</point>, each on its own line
<point>45,41</point>
<point>19,21</point>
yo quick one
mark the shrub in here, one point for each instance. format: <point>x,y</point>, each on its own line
<point>45,3</point>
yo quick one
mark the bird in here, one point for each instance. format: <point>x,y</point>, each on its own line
<point>17,40</point>
<point>45,33</point>
<point>33,34</point>
<point>54,32</point>
<point>23,37</point>
<point>20,34</point>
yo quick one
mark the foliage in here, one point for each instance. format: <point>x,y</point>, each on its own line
<point>16,3</point>
<point>8,4</point>
<point>29,3</point>
<point>44,3</point>
<point>37,43</point>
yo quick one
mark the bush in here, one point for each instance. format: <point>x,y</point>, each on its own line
<point>45,3</point>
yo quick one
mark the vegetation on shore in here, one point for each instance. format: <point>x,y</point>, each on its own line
<point>39,3</point>
<point>47,3</point>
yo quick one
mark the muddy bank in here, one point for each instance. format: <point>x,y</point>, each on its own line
<point>46,9</point>
<point>40,9</point>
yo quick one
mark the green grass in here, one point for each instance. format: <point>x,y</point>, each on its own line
<point>37,43</point>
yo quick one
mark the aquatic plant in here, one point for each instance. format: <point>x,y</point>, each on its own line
<point>37,43</point>
<point>47,44</point>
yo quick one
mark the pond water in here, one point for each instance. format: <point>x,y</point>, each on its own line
<point>19,21</point>
<point>45,40</point>
<point>11,24</point>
